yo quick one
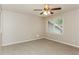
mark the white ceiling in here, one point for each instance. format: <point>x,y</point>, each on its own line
<point>28,8</point>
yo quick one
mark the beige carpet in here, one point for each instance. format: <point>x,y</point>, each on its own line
<point>40,47</point>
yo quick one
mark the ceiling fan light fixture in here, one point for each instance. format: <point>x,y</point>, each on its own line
<point>48,12</point>
<point>45,13</point>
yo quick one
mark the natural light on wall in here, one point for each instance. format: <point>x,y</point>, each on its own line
<point>55,26</point>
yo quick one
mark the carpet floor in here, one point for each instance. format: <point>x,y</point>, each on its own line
<point>40,47</point>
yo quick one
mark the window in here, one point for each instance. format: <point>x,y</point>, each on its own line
<point>55,26</point>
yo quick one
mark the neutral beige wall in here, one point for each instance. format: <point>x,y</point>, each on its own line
<point>17,27</point>
<point>71,28</point>
<point>0,30</point>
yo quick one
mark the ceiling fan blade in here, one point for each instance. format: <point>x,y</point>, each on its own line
<point>56,8</point>
<point>37,9</point>
<point>51,12</point>
<point>41,13</point>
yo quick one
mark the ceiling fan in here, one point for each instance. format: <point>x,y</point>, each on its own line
<point>47,10</point>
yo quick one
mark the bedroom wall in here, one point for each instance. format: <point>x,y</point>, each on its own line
<point>17,27</point>
<point>0,30</point>
<point>71,28</point>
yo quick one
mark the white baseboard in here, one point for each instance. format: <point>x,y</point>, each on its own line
<point>44,36</point>
<point>12,43</point>
<point>62,42</point>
